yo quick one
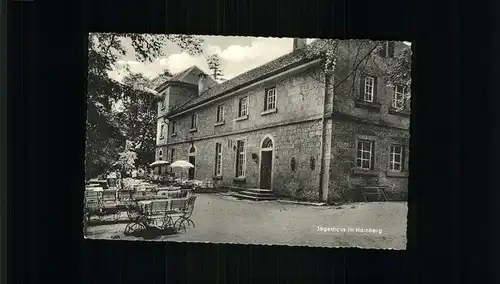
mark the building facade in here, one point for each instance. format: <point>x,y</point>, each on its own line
<point>291,127</point>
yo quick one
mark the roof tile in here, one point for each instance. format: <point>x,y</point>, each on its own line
<point>250,76</point>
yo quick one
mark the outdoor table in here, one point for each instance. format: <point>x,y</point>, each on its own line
<point>125,194</point>
<point>168,188</point>
<point>96,188</point>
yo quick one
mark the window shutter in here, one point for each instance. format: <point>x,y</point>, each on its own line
<point>382,51</point>
<point>407,100</point>
<point>375,88</point>
<point>265,100</point>
<point>215,162</point>
<point>361,86</point>
<point>390,51</point>
<point>373,155</point>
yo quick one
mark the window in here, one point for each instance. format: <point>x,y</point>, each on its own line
<point>243,107</point>
<point>218,159</point>
<point>160,155</point>
<point>172,153</point>
<point>240,158</point>
<point>173,127</point>
<point>162,129</point>
<point>387,50</point>
<point>267,143</point>
<point>396,158</point>
<point>365,155</point>
<point>193,121</point>
<point>312,163</point>
<point>293,164</point>
<point>369,89</point>
<point>270,99</point>
<point>398,99</point>
<point>220,113</point>
<point>162,103</point>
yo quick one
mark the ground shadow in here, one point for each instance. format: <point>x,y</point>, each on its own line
<point>153,233</point>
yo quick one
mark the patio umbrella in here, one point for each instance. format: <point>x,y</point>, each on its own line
<point>182,164</point>
<point>159,163</point>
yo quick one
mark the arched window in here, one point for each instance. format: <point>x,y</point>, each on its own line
<point>267,143</point>
<point>192,150</point>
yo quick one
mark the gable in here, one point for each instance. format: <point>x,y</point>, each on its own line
<point>188,77</point>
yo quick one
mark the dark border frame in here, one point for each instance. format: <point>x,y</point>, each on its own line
<point>46,126</point>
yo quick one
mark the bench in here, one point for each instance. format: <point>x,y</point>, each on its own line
<point>378,191</point>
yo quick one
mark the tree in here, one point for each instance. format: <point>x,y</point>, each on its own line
<point>357,55</point>
<point>214,65</point>
<point>161,78</point>
<point>102,144</point>
<point>138,117</point>
<point>103,92</point>
<point>127,158</point>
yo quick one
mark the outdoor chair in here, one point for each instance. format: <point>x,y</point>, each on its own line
<point>177,207</point>
<point>170,193</point>
<point>109,203</point>
<point>93,204</point>
<point>185,214</point>
<point>124,195</point>
<point>152,213</point>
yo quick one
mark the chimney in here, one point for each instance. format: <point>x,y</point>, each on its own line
<point>298,43</point>
<point>201,83</point>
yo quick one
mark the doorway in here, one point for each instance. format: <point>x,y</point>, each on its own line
<point>266,163</point>
<point>266,167</point>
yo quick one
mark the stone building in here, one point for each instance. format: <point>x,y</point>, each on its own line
<point>291,127</point>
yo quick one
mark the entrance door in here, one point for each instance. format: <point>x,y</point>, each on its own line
<point>192,160</point>
<point>266,167</point>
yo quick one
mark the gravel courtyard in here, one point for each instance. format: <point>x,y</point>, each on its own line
<point>224,219</point>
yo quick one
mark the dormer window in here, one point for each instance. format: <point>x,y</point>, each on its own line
<point>387,50</point>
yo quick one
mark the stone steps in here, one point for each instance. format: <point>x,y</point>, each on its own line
<point>255,194</point>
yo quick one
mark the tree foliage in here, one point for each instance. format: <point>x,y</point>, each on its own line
<point>136,118</point>
<point>162,77</point>
<point>127,158</point>
<point>214,65</point>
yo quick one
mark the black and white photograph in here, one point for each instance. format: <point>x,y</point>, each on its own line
<point>247,140</point>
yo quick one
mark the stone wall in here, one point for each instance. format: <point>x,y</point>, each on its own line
<point>173,95</point>
<point>343,178</point>
<point>300,141</point>
<point>298,98</point>
<point>348,89</point>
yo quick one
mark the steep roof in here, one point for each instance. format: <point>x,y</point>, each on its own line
<point>289,60</point>
<point>188,76</point>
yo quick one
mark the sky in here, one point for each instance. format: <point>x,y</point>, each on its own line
<point>237,54</point>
